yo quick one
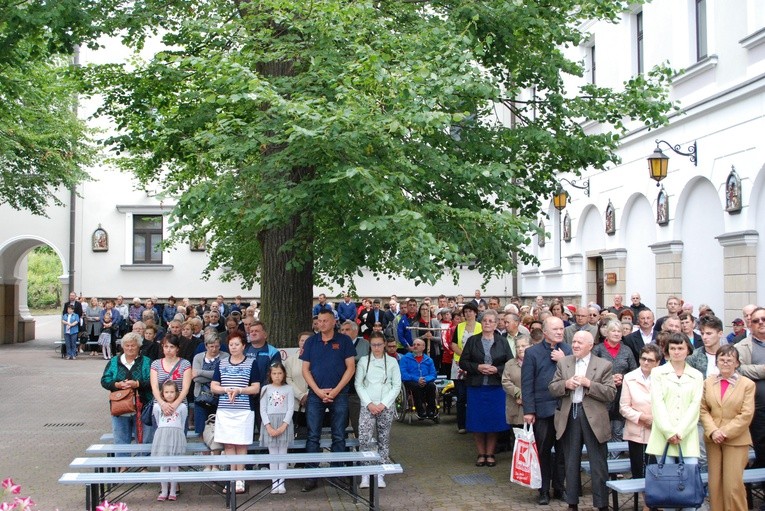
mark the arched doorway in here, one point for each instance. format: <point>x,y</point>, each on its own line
<point>16,322</point>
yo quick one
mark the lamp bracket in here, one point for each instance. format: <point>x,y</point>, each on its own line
<point>585,186</point>
<point>691,152</point>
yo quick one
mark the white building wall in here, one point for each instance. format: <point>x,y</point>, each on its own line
<point>723,100</point>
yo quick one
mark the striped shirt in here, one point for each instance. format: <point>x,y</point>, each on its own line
<point>238,375</point>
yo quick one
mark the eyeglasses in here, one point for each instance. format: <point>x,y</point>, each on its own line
<point>726,361</point>
<point>646,359</point>
<point>594,315</point>
<point>377,345</point>
<point>757,321</point>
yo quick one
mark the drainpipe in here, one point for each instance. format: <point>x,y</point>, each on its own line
<point>73,194</point>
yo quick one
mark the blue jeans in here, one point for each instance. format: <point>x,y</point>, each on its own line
<point>123,428</point>
<point>71,344</point>
<point>314,413</point>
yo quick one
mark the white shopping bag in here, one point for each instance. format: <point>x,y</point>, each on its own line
<point>525,469</point>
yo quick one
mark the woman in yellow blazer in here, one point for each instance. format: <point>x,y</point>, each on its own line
<point>726,411</point>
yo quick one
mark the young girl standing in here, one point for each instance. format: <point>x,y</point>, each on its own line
<point>169,438</point>
<point>107,341</point>
<point>277,403</point>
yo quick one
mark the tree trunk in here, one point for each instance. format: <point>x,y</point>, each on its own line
<point>287,295</point>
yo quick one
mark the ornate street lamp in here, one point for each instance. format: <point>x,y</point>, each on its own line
<point>560,197</point>
<point>658,162</point>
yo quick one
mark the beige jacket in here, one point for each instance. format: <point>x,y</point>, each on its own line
<point>511,383</point>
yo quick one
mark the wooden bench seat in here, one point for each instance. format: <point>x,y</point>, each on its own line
<point>637,486</point>
<point>224,459</point>
<point>94,480</point>
<point>194,447</point>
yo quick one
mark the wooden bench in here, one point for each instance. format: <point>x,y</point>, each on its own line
<point>99,463</point>
<point>109,437</point>
<point>637,486</point>
<point>199,447</point>
<point>93,481</point>
<point>111,464</point>
<point>613,447</point>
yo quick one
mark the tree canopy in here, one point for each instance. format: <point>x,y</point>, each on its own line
<point>310,140</point>
<point>43,144</point>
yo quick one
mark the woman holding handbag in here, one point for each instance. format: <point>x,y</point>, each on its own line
<point>727,409</point>
<point>202,371</point>
<point>129,371</point>
<point>676,391</point>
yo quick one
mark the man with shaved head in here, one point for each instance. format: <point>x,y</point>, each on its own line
<point>539,405</point>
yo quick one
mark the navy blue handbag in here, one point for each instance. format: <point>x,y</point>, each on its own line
<point>673,485</point>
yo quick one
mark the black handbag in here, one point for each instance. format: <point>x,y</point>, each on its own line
<point>147,413</point>
<point>673,485</point>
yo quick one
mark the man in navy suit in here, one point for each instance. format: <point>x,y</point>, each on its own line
<point>539,405</point>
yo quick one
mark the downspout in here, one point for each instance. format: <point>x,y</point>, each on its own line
<point>73,193</point>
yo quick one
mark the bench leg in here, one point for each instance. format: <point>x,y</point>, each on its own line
<point>635,501</point>
<point>373,503</point>
<point>91,496</point>
<point>231,495</point>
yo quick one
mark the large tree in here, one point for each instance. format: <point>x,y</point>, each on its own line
<point>309,140</point>
<point>43,144</point>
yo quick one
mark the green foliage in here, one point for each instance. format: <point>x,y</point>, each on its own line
<point>373,122</point>
<point>43,285</point>
<point>43,145</point>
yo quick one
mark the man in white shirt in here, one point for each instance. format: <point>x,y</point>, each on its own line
<point>585,386</point>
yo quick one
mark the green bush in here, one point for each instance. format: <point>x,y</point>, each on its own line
<point>43,286</point>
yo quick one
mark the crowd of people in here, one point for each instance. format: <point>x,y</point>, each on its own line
<point>580,374</point>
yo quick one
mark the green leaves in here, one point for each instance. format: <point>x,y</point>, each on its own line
<point>379,126</point>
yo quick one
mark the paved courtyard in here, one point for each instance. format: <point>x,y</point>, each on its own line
<point>52,409</point>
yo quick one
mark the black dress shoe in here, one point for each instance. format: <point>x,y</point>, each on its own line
<point>544,498</point>
<point>573,507</point>
<point>310,485</point>
<point>603,508</point>
<point>559,494</point>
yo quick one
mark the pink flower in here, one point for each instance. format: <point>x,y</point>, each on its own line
<point>24,503</point>
<point>13,488</point>
<point>7,506</point>
<point>121,507</point>
<point>105,506</point>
